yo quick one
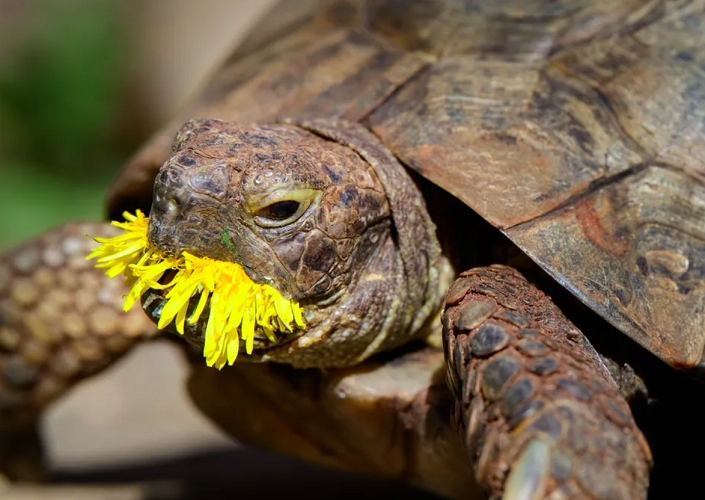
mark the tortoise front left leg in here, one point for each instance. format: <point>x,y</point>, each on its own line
<point>537,409</point>
<point>61,321</point>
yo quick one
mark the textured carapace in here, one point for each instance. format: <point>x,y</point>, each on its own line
<point>328,224</point>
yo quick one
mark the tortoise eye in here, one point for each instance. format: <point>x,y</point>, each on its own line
<point>283,207</point>
<point>279,211</point>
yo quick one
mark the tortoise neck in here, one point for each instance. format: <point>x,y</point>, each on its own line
<point>424,272</point>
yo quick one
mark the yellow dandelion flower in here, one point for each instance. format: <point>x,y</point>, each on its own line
<point>237,304</point>
<point>116,254</point>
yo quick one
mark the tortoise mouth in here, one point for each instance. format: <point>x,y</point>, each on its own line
<point>154,300</point>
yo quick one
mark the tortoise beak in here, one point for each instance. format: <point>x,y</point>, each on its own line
<point>153,302</point>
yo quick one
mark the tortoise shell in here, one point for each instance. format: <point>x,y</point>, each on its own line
<point>575,127</point>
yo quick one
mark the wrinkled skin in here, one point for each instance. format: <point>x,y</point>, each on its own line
<point>310,217</point>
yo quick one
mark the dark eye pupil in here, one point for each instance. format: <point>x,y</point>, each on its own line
<point>281,210</point>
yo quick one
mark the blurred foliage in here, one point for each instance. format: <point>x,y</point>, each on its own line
<point>60,107</point>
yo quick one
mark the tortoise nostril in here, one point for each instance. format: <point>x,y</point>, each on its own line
<point>180,197</point>
<point>171,196</point>
<point>170,177</point>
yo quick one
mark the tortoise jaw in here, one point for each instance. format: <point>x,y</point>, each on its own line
<point>154,300</point>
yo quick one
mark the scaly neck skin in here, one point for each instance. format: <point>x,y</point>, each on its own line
<point>359,321</point>
<point>400,287</point>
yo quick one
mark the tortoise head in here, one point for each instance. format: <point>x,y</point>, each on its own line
<point>311,217</point>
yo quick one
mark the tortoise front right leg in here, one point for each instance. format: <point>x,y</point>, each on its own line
<point>537,409</point>
<point>61,321</point>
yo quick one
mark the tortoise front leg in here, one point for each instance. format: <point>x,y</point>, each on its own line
<point>537,409</point>
<point>61,320</point>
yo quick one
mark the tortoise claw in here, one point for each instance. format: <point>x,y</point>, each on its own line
<point>540,415</point>
<point>527,479</point>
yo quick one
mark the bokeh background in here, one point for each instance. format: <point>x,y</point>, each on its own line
<point>82,84</point>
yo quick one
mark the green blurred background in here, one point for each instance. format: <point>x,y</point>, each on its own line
<point>63,129</point>
<point>83,83</point>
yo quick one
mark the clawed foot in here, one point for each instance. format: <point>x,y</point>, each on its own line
<point>540,416</point>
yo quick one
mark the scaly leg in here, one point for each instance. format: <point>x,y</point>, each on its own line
<point>539,413</point>
<point>61,320</point>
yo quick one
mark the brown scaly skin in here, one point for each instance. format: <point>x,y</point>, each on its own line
<point>534,404</point>
<point>61,320</point>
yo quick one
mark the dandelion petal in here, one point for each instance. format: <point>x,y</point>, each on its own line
<point>237,304</point>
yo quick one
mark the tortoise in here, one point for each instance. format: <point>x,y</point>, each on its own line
<point>384,164</point>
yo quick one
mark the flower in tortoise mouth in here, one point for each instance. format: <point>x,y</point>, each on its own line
<point>237,304</point>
